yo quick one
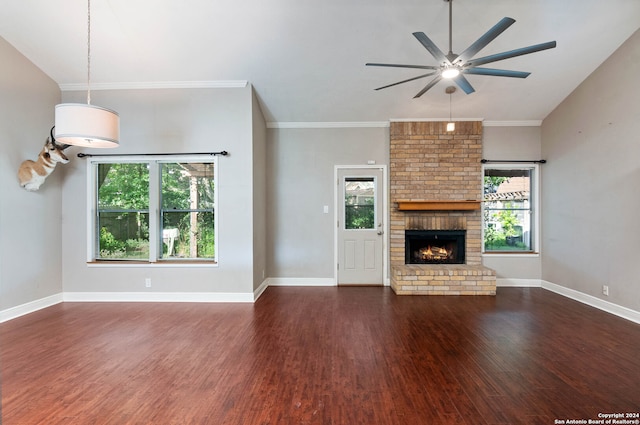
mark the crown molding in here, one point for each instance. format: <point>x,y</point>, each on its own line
<point>224,84</point>
<point>382,124</point>
<point>346,124</point>
<point>515,123</point>
<point>521,123</point>
<point>433,119</point>
<point>275,124</point>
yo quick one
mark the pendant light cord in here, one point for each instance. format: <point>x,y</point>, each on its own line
<point>88,52</point>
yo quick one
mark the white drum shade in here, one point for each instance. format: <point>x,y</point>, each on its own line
<point>87,125</point>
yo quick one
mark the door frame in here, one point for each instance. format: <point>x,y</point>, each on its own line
<point>385,217</point>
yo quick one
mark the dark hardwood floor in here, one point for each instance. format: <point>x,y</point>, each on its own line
<point>321,356</point>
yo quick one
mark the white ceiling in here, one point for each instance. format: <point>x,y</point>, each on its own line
<point>306,59</point>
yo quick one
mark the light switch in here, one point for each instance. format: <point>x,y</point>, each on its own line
<point>326,209</point>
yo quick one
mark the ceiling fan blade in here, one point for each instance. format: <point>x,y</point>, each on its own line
<point>406,81</point>
<point>496,72</point>
<point>511,54</point>
<point>487,38</point>
<point>395,65</point>
<point>464,84</point>
<point>431,47</point>
<point>428,86</point>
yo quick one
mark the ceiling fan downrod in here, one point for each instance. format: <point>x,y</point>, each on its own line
<point>450,27</point>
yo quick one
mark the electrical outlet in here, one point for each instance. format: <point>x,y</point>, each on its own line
<point>147,282</point>
<point>605,290</point>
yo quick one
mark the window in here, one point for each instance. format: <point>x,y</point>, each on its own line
<point>152,210</point>
<point>510,208</point>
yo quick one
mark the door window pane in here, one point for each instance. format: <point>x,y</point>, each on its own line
<point>359,203</point>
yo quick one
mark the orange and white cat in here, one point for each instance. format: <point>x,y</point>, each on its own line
<point>33,173</point>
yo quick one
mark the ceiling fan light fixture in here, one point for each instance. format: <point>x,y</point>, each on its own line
<point>450,72</point>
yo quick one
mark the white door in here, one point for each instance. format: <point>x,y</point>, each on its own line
<point>360,236</point>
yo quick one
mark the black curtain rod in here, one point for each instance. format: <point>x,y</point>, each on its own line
<point>83,155</point>
<point>535,161</point>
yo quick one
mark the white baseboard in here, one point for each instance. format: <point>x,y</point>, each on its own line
<point>615,309</point>
<point>203,297</point>
<point>30,307</point>
<point>173,297</point>
<point>295,281</point>
<point>518,283</point>
<point>260,289</point>
<point>625,313</point>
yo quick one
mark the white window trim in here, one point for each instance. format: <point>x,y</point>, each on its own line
<point>535,207</point>
<point>153,214</point>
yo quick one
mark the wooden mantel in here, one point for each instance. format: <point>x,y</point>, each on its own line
<point>468,205</point>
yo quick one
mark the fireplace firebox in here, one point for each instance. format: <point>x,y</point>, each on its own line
<point>434,246</point>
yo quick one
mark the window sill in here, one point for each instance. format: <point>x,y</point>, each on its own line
<point>160,264</point>
<point>511,254</point>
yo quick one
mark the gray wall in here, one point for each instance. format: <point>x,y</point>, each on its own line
<point>591,200</point>
<point>518,144</point>
<point>30,222</point>
<point>173,120</point>
<point>300,182</point>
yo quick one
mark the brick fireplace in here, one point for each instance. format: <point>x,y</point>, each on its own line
<point>436,185</point>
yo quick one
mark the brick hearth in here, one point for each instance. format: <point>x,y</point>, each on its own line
<point>429,166</point>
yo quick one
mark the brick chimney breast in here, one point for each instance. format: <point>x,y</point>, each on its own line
<point>429,164</point>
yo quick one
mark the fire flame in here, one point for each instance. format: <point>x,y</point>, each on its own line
<point>434,253</point>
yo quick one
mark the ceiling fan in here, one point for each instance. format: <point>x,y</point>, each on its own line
<point>453,66</point>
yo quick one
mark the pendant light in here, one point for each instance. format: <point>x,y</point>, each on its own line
<point>451,126</point>
<point>87,125</point>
